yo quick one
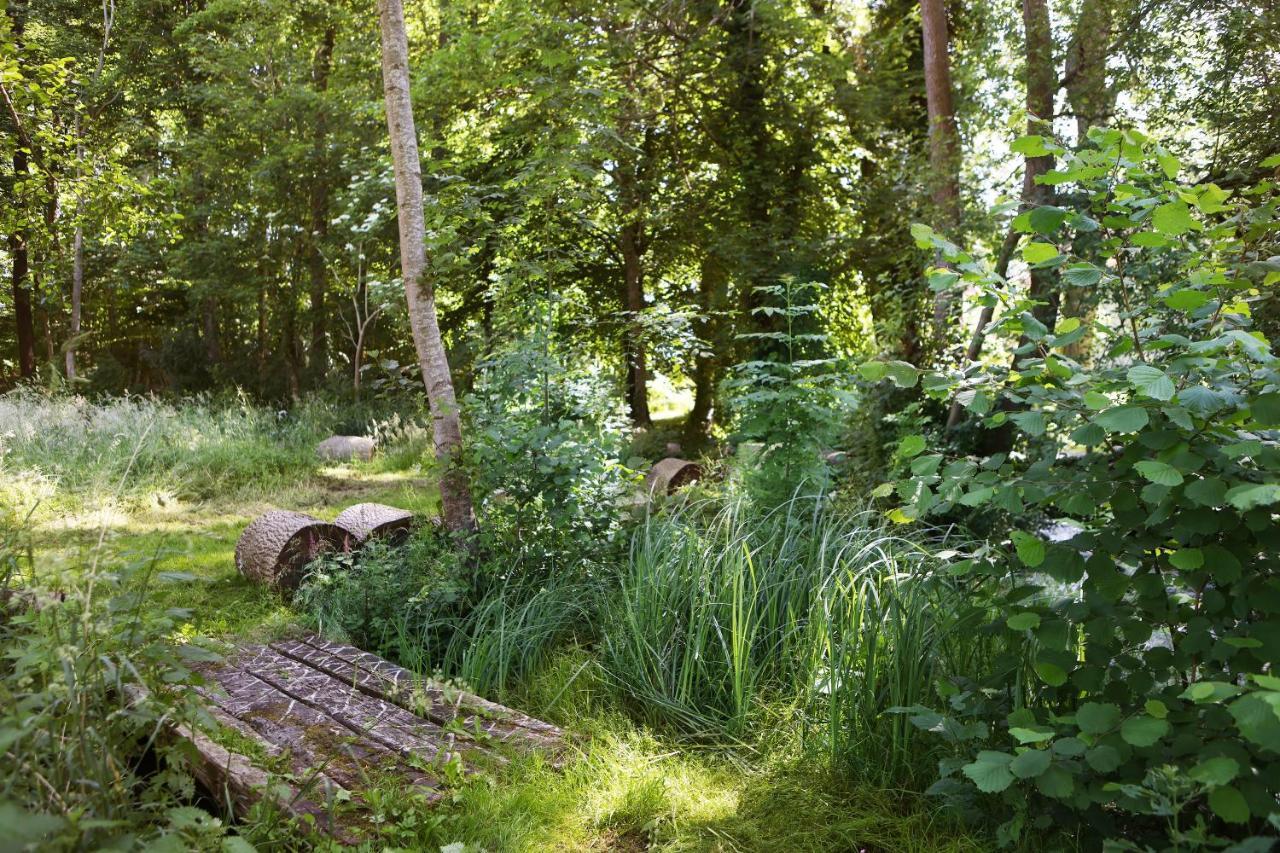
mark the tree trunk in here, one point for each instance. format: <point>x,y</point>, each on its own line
<point>708,361</point>
<point>319,351</point>
<point>455,491</point>
<point>23,317</point>
<point>1091,100</point>
<point>944,140</point>
<point>633,348</point>
<point>1042,84</point>
<point>77,291</point>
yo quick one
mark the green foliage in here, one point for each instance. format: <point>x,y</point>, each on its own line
<point>726,609</point>
<point>1145,705</point>
<point>387,597</point>
<point>545,446</point>
<point>790,398</point>
<point>89,679</point>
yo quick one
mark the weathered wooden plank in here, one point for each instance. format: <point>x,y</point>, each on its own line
<point>370,717</point>
<point>395,684</point>
<point>315,741</point>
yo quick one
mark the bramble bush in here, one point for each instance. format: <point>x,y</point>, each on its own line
<point>1147,707</point>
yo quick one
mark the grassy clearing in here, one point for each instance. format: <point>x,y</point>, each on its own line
<point>674,673</point>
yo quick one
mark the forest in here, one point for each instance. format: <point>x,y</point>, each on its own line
<point>724,425</point>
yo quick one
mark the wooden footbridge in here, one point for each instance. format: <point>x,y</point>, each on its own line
<point>311,723</point>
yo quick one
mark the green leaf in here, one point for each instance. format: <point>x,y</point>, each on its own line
<point>1151,382</point>
<point>1023,621</point>
<point>1168,163</point>
<point>1173,218</point>
<point>1103,759</point>
<point>1030,146</point>
<point>1081,274</point>
<point>1143,731</point>
<point>873,371</point>
<point>902,374</point>
<point>1253,495</point>
<point>1266,409</point>
<point>1159,473</point>
<point>911,445</point>
<point>1229,804</point>
<point>1186,299</point>
<point>1025,735</point>
<point>1258,720</point>
<point>1030,548</point>
<point>1050,673</point>
<point>1095,400</point>
<point>1055,782</point>
<point>1215,771</point>
<point>990,771</point>
<point>1047,219</point>
<point>1156,708</point>
<point>1123,419</point>
<point>1030,763</point>
<point>1097,718</point>
<point>1207,492</point>
<point>1038,253</point>
<point>1032,423</point>
<point>1187,559</point>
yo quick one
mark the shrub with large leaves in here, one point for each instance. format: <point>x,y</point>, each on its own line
<point>1147,706</point>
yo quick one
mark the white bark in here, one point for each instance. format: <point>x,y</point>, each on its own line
<point>455,492</point>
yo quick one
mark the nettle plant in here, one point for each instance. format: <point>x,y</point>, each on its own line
<point>1147,706</point>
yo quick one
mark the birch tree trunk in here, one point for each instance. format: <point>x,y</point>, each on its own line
<point>455,491</point>
<point>944,138</point>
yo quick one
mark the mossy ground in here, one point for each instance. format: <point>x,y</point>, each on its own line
<point>626,789</point>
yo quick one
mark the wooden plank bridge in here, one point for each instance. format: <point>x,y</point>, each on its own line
<point>317,721</point>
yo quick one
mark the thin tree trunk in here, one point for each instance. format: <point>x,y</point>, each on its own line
<point>633,348</point>
<point>455,490</point>
<point>319,351</point>
<point>23,317</point>
<point>979,336</point>
<point>77,291</point>
<point>708,361</point>
<point>944,139</point>
<point>1042,85</point>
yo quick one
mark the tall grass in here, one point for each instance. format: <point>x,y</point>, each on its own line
<point>73,451</point>
<point>724,611</point>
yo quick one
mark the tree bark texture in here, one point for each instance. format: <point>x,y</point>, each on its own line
<point>319,213</point>
<point>944,138</point>
<point>277,546</point>
<point>23,316</point>
<point>455,491</point>
<point>1042,85</point>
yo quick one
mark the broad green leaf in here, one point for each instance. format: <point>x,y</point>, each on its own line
<point>1215,771</point>
<point>1159,473</point>
<point>911,445</point>
<point>1032,423</point>
<point>1046,220</point>
<point>1187,559</point>
<point>1104,758</point>
<point>902,374</point>
<point>990,771</point>
<point>1151,382</point>
<point>1094,400</point>
<point>1030,763</point>
<point>1055,782</point>
<point>1207,492</point>
<point>1038,253</point>
<point>1023,621</point>
<point>1229,804</point>
<point>1030,548</point>
<point>1081,274</point>
<point>1097,718</point>
<point>1258,720</point>
<point>1030,146</point>
<point>1173,218</point>
<point>1143,731</point>
<point>1123,419</point>
<point>873,371</point>
<point>1024,735</point>
<point>1253,495</point>
<point>1186,299</point>
<point>1050,673</point>
<point>1266,409</point>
